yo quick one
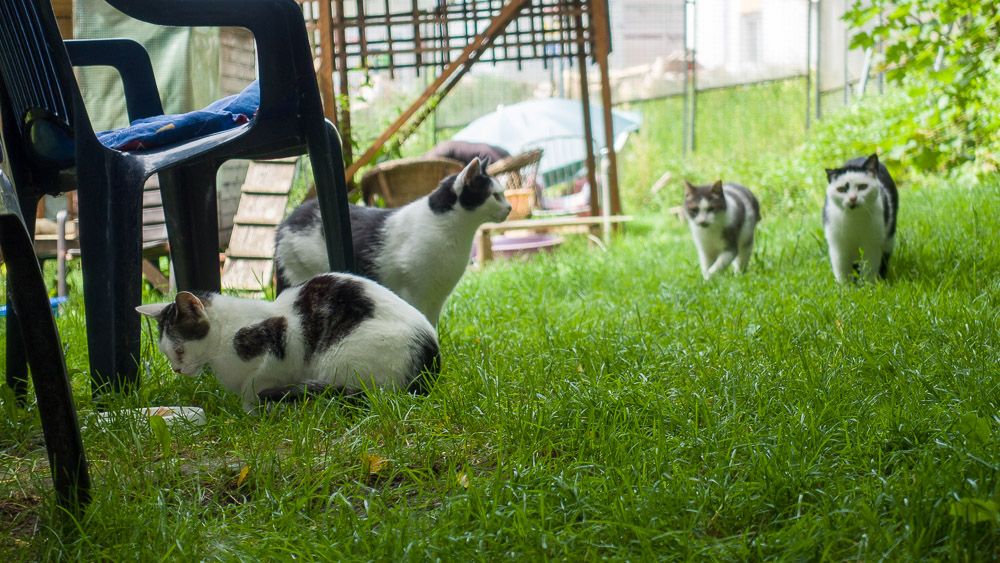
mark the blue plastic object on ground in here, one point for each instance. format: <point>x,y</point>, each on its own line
<point>54,302</point>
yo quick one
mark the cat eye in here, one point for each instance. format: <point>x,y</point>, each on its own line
<point>842,189</point>
<point>496,196</point>
<point>862,187</point>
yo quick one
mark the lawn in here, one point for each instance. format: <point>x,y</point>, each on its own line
<point>606,404</point>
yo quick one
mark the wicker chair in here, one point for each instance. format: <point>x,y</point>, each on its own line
<point>399,182</point>
<point>517,173</point>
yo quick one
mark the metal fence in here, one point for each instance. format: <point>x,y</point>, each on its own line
<point>666,49</point>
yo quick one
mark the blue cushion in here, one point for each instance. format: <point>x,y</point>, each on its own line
<point>159,130</point>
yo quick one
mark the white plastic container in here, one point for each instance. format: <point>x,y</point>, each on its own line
<point>193,416</point>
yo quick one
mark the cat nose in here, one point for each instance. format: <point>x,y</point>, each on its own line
<point>852,199</point>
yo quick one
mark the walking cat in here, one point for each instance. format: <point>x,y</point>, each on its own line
<point>859,218</point>
<point>722,218</point>
<point>420,250</point>
<point>336,331</point>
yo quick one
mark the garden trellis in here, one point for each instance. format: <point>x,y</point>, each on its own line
<point>446,38</point>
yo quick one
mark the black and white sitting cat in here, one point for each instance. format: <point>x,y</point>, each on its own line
<point>722,218</point>
<point>420,250</point>
<point>859,218</point>
<point>336,331</point>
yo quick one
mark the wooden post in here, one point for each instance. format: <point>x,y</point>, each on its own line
<point>484,246</point>
<point>326,62</point>
<point>602,47</point>
<point>588,129</point>
<point>343,103</point>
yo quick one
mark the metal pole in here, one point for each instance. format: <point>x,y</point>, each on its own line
<point>694,74</point>
<point>809,21</point>
<point>819,59</point>
<point>684,86</point>
<point>61,218</point>
<point>847,76</point>
<point>865,69</point>
<point>881,50</point>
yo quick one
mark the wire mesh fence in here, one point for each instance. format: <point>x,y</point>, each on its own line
<point>677,50</point>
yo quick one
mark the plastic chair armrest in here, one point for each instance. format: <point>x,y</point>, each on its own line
<point>129,58</point>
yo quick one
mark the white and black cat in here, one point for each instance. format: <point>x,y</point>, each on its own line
<point>420,250</point>
<point>859,218</point>
<point>338,332</point>
<point>722,218</point>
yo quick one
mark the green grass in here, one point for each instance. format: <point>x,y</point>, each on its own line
<point>601,405</point>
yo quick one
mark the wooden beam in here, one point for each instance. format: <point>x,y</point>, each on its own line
<point>469,54</point>
<point>343,102</point>
<point>588,130</point>
<point>326,62</point>
<point>599,25</point>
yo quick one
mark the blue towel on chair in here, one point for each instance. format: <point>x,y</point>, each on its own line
<point>159,130</point>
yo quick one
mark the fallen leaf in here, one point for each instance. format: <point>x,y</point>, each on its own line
<point>243,475</point>
<point>463,480</point>
<point>373,463</point>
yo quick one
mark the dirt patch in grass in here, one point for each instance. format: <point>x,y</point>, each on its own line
<point>19,517</point>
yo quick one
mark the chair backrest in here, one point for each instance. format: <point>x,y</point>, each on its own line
<point>518,171</point>
<point>36,76</point>
<point>399,182</point>
<point>563,161</point>
<point>561,182</point>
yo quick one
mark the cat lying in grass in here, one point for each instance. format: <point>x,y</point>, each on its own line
<point>336,332</point>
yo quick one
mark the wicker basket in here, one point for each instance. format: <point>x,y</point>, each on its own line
<point>521,202</point>
<point>517,173</point>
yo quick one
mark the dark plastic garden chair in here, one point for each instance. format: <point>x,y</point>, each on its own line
<point>27,294</point>
<point>52,148</point>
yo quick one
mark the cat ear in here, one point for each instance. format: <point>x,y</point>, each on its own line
<point>717,187</point>
<point>189,306</point>
<point>871,164</point>
<point>688,187</point>
<point>830,173</point>
<point>470,171</point>
<point>152,310</point>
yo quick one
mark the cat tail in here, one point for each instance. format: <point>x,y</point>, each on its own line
<point>427,363</point>
<point>301,391</point>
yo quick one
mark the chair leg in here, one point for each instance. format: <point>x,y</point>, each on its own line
<point>16,360</point>
<point>17,367</point>
<point>111,251</point>
<point>331,191</point>
<point>48,367</point>
<point>189,202</point>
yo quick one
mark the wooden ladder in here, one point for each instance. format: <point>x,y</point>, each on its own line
<point>249,262</point>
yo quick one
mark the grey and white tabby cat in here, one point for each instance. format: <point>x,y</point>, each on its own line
<point>722,218</point>
<point>336,332</point>
<point>420,250</point>
<point>859,218</point>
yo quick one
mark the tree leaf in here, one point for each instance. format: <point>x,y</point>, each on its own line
<point>974,510</point>
<point>975,428</point>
